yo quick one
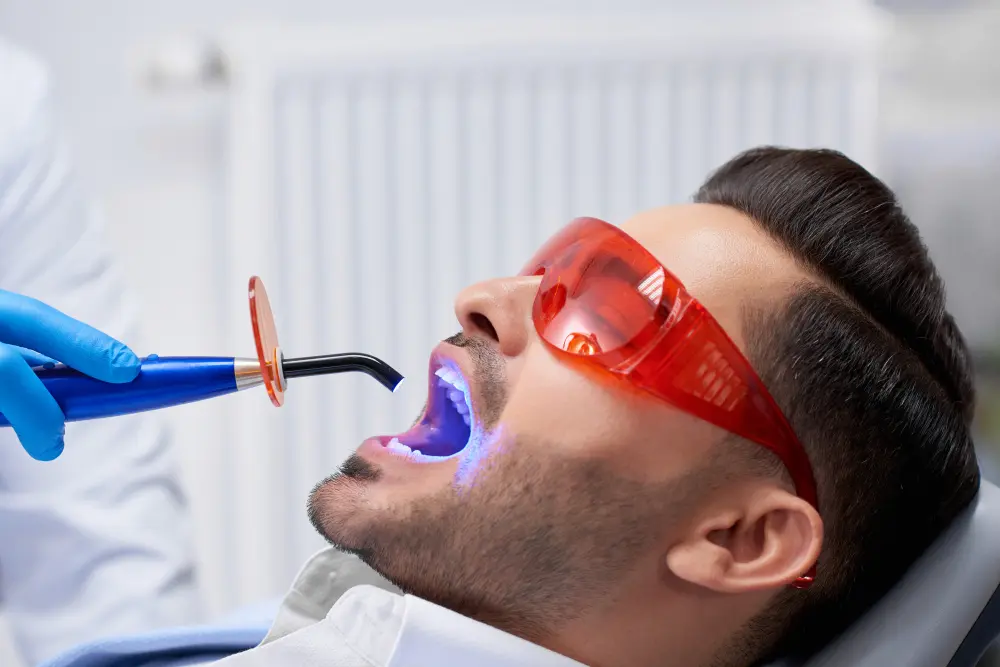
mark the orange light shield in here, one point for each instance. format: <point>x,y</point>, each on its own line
<point>265,337</point>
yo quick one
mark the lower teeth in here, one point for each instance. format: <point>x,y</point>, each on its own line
<point>396,446</point>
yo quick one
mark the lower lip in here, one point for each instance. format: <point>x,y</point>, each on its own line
<point>374,446</point>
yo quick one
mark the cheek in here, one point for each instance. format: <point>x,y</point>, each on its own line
<point>553,404</point>
<point>581,414</point>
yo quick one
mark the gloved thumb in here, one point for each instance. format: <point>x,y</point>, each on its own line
<point>34,415</point>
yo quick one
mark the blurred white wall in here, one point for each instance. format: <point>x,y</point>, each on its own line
<point>941,109</point>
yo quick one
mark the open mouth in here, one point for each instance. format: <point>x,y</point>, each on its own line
<point>446,426</point>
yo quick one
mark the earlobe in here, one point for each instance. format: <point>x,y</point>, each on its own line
<point>769,541</point>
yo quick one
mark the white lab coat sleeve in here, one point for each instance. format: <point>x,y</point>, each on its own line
<point>97,542</point>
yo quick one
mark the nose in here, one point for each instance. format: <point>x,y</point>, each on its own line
<point>499,309</point>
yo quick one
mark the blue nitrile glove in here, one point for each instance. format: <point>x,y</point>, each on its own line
<point>32,334</point>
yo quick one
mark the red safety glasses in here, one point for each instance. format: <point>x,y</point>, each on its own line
<point>606,301</point>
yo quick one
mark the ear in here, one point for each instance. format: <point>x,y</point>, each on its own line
<point>764,539</point>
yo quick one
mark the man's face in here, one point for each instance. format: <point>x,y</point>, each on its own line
<point>571,487</point>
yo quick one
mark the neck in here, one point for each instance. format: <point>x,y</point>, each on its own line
<point>654,626</point>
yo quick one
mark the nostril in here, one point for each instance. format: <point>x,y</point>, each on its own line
<point>483,323</point>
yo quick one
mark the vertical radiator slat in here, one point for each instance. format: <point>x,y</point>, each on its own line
<point>586,124</point>
<point>396,222</point>
<point>827,104</point>
<point>517,168</point>
<point>760,96</point>
<point>252,520</point>
<point>297,330</point>
<point>796,115</point>
<point>692,140</point>
<point>724,115</point>
<point>483,209</point>
<point>655,138</point>
<point>413,280</point>
<point>445,231</point>
<point>374,250</point>
<point>552,184</point>
<point>620,175</point>
<point>337,271</point>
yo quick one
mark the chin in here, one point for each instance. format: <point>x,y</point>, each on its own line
<point>336,510</point>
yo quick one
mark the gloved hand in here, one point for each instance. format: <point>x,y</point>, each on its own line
<point>32,334</point>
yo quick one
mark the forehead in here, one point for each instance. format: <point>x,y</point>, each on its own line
<point>723,258</point>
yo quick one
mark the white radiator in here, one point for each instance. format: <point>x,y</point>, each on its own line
<point>373,172</point>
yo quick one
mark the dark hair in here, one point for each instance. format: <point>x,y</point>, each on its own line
<point>871,371</point>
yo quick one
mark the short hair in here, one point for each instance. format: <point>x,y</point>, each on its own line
<point>871,371</point>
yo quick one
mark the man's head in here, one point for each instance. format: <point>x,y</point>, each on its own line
<point>608,524</point>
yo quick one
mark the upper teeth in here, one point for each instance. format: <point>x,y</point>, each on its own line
<point>457,389</point>
<point>451,377</point>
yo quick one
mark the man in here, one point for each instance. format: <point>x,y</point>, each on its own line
<point>601,477</point>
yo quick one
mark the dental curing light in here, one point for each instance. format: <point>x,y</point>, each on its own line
<point>166,381</point>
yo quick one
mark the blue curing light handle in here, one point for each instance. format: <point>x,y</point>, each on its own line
<point>161,382</point>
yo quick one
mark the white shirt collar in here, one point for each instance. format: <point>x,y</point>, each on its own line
<point>393,630</point>
<point>437,636</point>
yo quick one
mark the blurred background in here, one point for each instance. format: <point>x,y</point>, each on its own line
<point>370,159</point>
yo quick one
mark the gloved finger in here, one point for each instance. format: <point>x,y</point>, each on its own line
<point>32,324</point>
<point>33,358</point>
<point>35,416</point>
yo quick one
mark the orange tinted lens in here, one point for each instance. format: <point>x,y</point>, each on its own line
<point>601,295</point>
<point>265,337</point>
